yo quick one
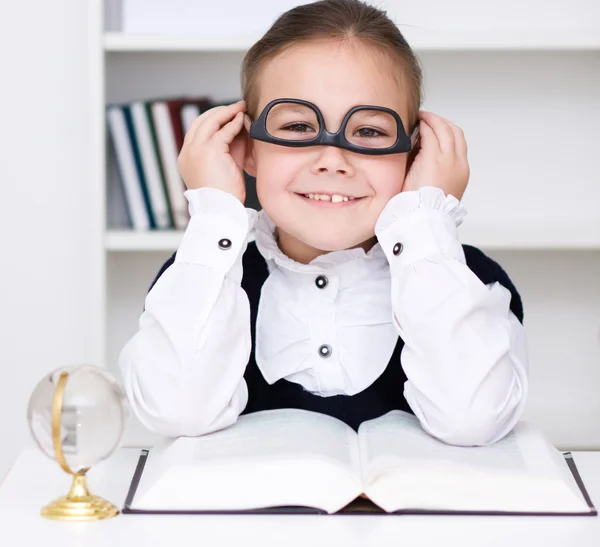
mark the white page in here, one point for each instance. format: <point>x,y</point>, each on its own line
<point>405,466</point>
<point>276,457</point>
<point>279,434</point>
<point>399,435</point>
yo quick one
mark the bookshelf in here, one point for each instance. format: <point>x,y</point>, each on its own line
<point>529,103</point>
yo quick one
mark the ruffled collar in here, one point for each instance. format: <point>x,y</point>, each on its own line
<point>337,262</point>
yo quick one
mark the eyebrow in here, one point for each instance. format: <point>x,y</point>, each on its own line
<point>374,114</point>
<point>291,107</point>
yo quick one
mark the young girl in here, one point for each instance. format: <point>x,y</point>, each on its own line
<point>349,292</point>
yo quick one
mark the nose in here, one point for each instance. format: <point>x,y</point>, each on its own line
<point>332,160</point>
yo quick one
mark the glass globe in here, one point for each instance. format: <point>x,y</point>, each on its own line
<point>93,418</point>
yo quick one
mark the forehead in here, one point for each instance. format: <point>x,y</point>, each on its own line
<point>335,76</point>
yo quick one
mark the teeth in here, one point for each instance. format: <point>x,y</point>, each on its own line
<point>335,198</point>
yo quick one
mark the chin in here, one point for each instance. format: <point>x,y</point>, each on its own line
<point>332,243</point>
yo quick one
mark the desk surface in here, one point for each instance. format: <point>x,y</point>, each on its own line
<point>35,480</point>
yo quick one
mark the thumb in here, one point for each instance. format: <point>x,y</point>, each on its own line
<point>410,175</point>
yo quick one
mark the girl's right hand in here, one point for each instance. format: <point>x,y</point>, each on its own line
<point>213,151</point>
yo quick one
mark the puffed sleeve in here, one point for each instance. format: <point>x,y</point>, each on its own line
<point>461,319</point>
<point>183,369</point>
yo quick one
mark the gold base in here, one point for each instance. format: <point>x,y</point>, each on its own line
<point>93,509</point>
<point>79,504</point>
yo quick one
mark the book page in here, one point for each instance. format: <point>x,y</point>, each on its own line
<point>398,436</point>
<point>405,466</point>
<point>280,434</point>
<point>275,457</point>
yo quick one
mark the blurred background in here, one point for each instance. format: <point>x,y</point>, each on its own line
<point>97,94</point>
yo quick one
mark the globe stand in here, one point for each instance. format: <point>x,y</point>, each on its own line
<point>78,504</point>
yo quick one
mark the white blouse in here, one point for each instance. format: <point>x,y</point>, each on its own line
<point>330,325</point>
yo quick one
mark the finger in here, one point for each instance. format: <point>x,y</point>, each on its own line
<point>230,130</point>
<point>196,123</point>
<point>214,123</point>
<point>189,135</point>
<point>428,139</point>
<point>204,127</point>
<point>442,130</point>
<point>460,143</point>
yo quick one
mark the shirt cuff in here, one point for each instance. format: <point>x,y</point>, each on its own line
<point>417,224</point>
<point>218,229</point>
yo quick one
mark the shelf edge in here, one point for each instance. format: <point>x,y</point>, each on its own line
<point>436,41</point>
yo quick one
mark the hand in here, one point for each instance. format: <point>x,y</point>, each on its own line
<point>213,151</point>
<point>442,159</point>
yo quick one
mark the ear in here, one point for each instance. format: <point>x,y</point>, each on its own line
<point>249,159</point>
<point>415,147</point>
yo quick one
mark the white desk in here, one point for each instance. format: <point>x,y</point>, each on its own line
<point>35,480</point>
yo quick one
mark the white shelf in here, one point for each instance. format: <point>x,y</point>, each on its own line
<point>520,236</point>
<point>124,240</point>
<point>485,236</point>
<point>418,39</point>
<point>117,41</point>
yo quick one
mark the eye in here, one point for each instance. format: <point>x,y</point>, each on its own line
<point>298,127</point>
<point>368,133</point>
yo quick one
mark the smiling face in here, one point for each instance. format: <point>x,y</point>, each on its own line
<point>334,76</point>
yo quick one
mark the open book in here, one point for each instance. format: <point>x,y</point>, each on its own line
<point>292,460</point>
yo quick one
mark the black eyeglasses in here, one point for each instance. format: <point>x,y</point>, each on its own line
<point>365,129</point>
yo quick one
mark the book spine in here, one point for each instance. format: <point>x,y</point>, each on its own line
<point>130,181</point>
<point>189,112</point>
<point>174,107</point>
<point>169,152</point>
<point>149,162</point>
<point>155,147</point>
<point>138,162</point>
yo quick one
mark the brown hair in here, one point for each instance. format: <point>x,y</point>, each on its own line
<point>337,20</point>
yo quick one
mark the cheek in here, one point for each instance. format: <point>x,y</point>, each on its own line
<point>276,168</point>
<point>271,181</point>
<point>386,175</point>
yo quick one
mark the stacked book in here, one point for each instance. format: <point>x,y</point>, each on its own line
<point>147,137</point>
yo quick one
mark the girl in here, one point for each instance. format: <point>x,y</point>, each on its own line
<point>349,292</point>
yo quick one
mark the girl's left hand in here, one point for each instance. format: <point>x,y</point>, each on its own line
<point>442,159</point>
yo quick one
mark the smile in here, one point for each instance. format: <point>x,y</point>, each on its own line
<point>329,200</point>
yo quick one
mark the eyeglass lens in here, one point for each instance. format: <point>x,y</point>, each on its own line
<point>365,128</point>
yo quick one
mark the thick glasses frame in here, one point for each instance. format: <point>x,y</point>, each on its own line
<point>258,131</point>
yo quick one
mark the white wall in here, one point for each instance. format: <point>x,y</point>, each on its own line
<point>44,300</point>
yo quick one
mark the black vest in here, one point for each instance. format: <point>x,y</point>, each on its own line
<point>383,395</point>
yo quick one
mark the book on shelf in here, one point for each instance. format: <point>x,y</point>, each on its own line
<point>147,136</point>
<point>152,177</point>
<point>298,461</point>
<point>128,171</point>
